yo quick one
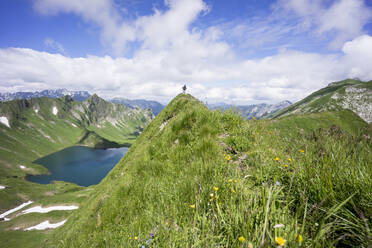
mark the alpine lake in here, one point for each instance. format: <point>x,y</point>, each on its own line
<point>84,166</point>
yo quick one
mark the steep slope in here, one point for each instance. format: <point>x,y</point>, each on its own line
<point>354,95</point>
<point>201,178</point>
<point>258,111</point>
<point>34,128</point>
<point>76,95</point>
<point>155,106</point>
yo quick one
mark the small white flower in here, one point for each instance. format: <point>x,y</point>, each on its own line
<point>279,225</point>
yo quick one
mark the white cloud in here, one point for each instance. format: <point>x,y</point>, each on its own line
<point>115,32</point>
<point>49,42</point>
<point>340,20</point>
<point>358,57</point>
<point>159,75</point>
<point>172,53</point>
<point>160,30</point>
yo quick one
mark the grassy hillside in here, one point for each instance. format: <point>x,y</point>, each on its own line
<point>354,95</point>
<point>200,178</point>
<point>41,126</point>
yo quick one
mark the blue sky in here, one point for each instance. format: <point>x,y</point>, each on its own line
<point>237,51</point>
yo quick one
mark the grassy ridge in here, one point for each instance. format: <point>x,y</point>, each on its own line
<point>200,178</point>
<point>333,98</point>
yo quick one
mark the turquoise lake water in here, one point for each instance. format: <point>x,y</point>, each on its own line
<point>78,164</point>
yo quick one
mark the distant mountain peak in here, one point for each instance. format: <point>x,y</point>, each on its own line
<point>155,106</point>
<point>262,110</point>
<point>76,95</point>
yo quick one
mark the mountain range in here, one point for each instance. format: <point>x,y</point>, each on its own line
<point>212,179</point>
<point>76,95</point>
<point>258,111</point>
<point>155,106</point>
<point>195,177</point>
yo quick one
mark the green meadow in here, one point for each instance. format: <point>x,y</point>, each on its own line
<point>201,178</point>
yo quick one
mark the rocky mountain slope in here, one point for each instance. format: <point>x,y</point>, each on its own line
<point>156,107</point>
<point>76,95</point>
<point>258,111</point>
<point>201,178</point>
<point>354,95</point>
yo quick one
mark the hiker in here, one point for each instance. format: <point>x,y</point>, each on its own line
<point>184,89</point>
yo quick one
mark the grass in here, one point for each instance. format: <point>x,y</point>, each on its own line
<point>321,100</point>
<point>34,135</point>
<point>212,179</point>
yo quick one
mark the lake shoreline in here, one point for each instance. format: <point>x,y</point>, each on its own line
<point>81,165</point>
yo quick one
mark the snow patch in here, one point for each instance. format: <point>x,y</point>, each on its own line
<point>5,121</point>
<point>55,110</point>
<point>2,187</point>
<point>22,167</point>
<point>45,225</point>
<point>3,215</point>
<point>40,209</point>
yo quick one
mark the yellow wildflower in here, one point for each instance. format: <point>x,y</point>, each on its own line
<point>241,239</point>
<point>215,188</point>
<point>130,238</point>
<point>299,238</point>
<point>136,238</point>
<point>301,150</point>
<point>233,191</point>
<point>211,195</point>
<point>280,241</point>
<point>289,159</point>
<point>277,159</point>
<point>286,166</point>
<point>230,180</point>
<point>192,206</point>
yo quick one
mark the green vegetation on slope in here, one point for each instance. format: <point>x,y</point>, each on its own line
<point>200,178</point>
<point>351,94</point>
<point>39,127</point>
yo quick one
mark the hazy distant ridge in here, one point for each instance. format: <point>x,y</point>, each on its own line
<point>76,95</point>
<point>258,111</point>
<point>155,106</point>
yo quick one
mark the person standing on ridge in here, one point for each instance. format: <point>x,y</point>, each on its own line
<point>184,89</point>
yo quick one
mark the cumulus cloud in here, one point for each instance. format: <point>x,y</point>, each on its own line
<point>115,33</point>
<point>358,57</point>
<point>161,30</point>
<point>341,20</point>
<point>172,53</point>
<point>287,75</point>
